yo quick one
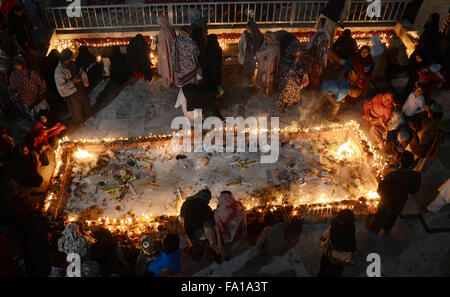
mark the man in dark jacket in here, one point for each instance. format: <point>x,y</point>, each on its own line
<point>198,221</point>
<point>394,190</point>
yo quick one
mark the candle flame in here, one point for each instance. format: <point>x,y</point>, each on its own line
<point>345,151</point>
<point>82,155</point>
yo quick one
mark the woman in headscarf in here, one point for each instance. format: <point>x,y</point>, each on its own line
<point>50,64</point>
<point>293,77</point>
<point>397,57</point>
<point>344,48</point>
<point>268,58</point>
<point>212,71</point>
<point>27,167</point>
<point>38,137</point>
<point>318,53</point>
<point>138,54</point>
<point>230,223</point>
<point>120,70</point>
<point>378,111</point>
<point>378,51</point>
<point>416,63</point>
<point>35,248</point>
<point>185,59</point>
<point>250,41</point>
<point>429,133</point>
<point>29,86</point>
<point>88,62</point>
<point>199,33</point>
<point>363,64</point>
<point>19,24</point>
<point>164,42</point>
<point>430,39</point>
<point>338,239</point>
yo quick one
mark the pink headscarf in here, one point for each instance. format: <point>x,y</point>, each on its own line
<point>378,108</point>
<point>229,216</point>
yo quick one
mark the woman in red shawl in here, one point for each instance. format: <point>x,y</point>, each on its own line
<point>378,111</point>
<point>38,137</point>
<point>363,63</point>
<point>230,223</point>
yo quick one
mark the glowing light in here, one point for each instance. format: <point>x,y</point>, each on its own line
<point>345,151</point>
<point>83,155</point>
<point>372,195</point>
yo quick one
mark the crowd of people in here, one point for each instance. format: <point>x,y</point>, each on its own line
<point>408,126</point>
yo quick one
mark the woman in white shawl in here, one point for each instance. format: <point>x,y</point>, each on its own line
<point>317,53</point>
<point>230,223</point>
<point>268,57</point>
<point>164,41</point>
<point>378,51</point>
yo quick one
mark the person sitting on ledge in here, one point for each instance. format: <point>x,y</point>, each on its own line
<point>378,111</point>
<point>429,133</point>
<point>415,104</point>
<point>168,263</point>
<point>230,223</point>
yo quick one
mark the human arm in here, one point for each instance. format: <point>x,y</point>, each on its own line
<point>84,78</point>
<point>219,239</point>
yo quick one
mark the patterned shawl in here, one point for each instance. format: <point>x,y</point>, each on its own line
<point>185,58</point>
<point>318,46</point>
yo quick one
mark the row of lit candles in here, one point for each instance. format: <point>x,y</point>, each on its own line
<point>223,42</point>
<point>352,124</point>
<point>147,223</point>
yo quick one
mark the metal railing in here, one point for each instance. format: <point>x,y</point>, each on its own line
<point>216,13</point>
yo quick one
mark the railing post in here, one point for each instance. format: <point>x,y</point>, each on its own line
<point>170,13</point>
<point>293,14</point>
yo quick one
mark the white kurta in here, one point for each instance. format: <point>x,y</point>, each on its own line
<point>181,101</point>
<point>442,199</point>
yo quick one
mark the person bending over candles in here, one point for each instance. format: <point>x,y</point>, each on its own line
<point>198,220</point>
<point>343,49</point>
<point>394,190</point>
<point>38,137</point>
<point>336,91</point>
